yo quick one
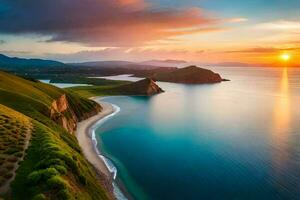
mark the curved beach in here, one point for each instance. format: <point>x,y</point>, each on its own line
<point>84,137</point>
<point>85,134</point>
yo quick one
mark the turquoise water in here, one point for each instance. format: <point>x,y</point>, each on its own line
<point>233,140</point>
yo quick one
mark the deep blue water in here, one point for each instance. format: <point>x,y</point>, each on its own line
<point>233,140</point>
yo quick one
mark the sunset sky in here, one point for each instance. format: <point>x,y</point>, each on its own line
<point>207,31</point>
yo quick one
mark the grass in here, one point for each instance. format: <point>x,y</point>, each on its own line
<point>129,88</point>
<point>91,91</point>
<point>84,80</point>
<point>54,166</point>
<point>13,128</point>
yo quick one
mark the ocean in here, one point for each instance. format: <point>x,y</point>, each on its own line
<point>232,140</point>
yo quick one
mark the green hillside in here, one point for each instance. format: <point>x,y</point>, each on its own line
<point>142,87</point>
<point>53,165</point>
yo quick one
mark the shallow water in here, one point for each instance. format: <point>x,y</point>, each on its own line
<point>63,85</point>
<point>233,140</point>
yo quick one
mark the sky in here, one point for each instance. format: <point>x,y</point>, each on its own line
<point>205,31</point>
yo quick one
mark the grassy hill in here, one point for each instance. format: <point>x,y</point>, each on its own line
<point>143,87</point>
<point>53,166</point>
<point>189,75</point>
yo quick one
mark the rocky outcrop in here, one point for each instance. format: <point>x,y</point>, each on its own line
<point>190,75</point>
<point>65,114</point>
<point>143,87</point>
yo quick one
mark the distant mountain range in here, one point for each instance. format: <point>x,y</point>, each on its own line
<point>115,64</point>
<point>165,63</point>
<point>14,62</point>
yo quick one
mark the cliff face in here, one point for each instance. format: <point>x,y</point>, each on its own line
<point>65,115</point>
<point>143,87</point>
<point>190,75</point>
<point>152,87</point>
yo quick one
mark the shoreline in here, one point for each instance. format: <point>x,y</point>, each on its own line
<point>85,134</point>
<point>84,137</point>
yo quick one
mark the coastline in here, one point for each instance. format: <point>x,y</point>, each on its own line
<point>85,134</point>
<point>84,137</point>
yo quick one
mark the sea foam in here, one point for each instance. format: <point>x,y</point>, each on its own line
<point>108,163</point>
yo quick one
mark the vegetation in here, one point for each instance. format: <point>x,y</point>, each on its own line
<point>84,80</point>
<point>53,165</point>
<point>55,168</point>
<point>14,133</point>
<point>91,91</point>
<point>142,87</point>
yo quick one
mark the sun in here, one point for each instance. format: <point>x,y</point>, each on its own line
<point>285,57</point>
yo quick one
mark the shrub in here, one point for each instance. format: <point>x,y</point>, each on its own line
<point>61,169</point>
<point>44,174</point>
<point>39,197</point>
<point>82,179</point>
<point>57,182</point>
<point>11,150</point>
<point>49,162</point>
<point>64,194</point>
<point>34,177</point>
<point>49,172</point>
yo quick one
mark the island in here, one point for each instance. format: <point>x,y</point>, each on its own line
<point>190,75</point>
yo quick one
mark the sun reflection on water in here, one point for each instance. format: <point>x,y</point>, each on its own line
<point>281,123</point>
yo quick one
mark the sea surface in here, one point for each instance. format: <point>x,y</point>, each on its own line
<point>232,140</point>
<point>62,85</point>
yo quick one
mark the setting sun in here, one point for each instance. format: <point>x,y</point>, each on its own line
<point>285,57</point>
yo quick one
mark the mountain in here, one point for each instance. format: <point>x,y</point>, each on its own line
<point>114,65</point>
<point>48,69</point>
<point>165,63</point>
<point>189,75</point>
<point>13,63</point>
<point>40,157</point>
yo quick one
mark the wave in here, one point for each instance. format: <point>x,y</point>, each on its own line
<point>108,163</point>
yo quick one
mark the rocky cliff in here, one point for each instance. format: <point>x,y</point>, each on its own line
<point>190,75</point>
<point>64,113</point>
<point>143,87</point>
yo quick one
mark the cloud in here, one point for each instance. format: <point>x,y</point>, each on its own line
<point>126,53</point>
<point>263,50</point>
<point>2,42</point>
<point>101,22</point>
<point>280,25</point>
<point>237,20</point>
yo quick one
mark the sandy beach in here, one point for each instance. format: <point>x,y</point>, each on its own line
<point>85,141</point>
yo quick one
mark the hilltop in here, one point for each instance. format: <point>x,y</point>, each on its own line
<point>14,63</point>
<point>189,75</point>
<point>145,86</point>
<point>39,154</point>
